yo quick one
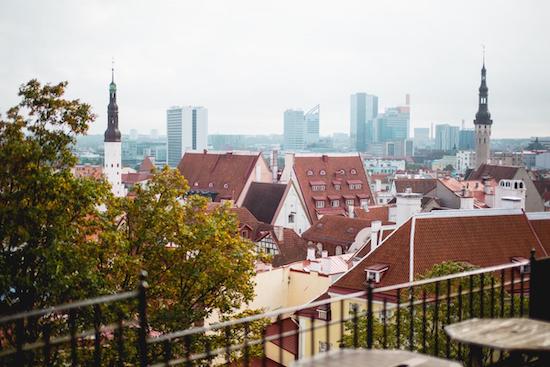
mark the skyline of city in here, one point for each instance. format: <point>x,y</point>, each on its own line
<point>437,63</point>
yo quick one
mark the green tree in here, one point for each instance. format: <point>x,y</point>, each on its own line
<point>47,216</point>
<point>196,259</point>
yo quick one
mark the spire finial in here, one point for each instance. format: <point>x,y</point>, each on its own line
<point>113,70</point>
<point>483,49</point>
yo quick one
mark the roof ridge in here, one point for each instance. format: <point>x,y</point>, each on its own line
<point>453,213</point>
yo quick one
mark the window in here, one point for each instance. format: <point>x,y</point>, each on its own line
<point>309,172</point>
<point>339,250</point>
<point>355,186</point>
<point>335,203</point>
<point>210,184</point>
<point>350,202</point>
<point>322,172</point>
<point>318,187</point>
<point>319,204</point>
<point>323,314</point>
<point>337,187</point>
<point>244,233</point>
<point>364,202</point>
<point>225,186</point>
<point>196,184</point>
<point>291,218</point>
<point>353,171</point>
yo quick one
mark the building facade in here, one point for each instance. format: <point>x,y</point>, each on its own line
<point>112,157</point>
<point>363,111</point>
<point>186,129</point>
<point>392,125</point>
<point>294,130</point>
<point>483,123</point>
<point>465,159</point>
<point>422,137</point>
<point>312,125</point>
<point>466,139</point>
<point>446,137</point>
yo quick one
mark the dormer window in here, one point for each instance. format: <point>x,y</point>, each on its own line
<point>196,184</point>
<point>319,204</point>
<point>525,268</point>
<point>309,172</point>
<point>211,184</point>
<point>374,272</point>
<point>353,171</point>
<point>322,172</point>
<point>225,186</point>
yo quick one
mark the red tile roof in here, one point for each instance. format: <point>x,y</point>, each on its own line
<point>290,342</point>
<point>146,165</point>
<point>223,173</point>
<point>484,239</point>
<point>417,185</point>
<point>334,231</point>
<point>336,169</point>
<point>88,170</point>
<point>134,177</point>
<point>263,199</point>
<point>374,213</point>
<point>496,172</point>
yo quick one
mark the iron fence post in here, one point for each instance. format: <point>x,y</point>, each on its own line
<point>369,314</point>
<point>143,325</point>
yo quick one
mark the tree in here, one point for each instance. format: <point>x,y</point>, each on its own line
<point>196,259</point>
<point>46,214</point>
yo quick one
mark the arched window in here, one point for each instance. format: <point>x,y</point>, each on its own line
<point>339,250</point>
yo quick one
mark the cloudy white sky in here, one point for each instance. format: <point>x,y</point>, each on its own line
<point>248,61</point>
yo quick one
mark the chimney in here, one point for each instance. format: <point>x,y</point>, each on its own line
<point>325,158</point>
<point>351,213</point>
<point>408,204</point>
<point>466,199</point>
<point>324,254</point>
<point>325,265</point>
<point>274,166</point>
<point>310,253</point>
<point>375,227</point>
<point>204,151</point>
<point>510,194</point>
<point>279,232</point>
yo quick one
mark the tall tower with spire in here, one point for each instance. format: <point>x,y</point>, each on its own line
<point>483,122</point>
<point>112,160</point>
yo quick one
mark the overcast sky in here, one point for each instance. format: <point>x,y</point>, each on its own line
<point>248,61</point>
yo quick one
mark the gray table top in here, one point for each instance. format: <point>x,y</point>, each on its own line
<point>516,334</point>
<point>374,358</point>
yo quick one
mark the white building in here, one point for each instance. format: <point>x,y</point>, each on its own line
<point>186,129</point>
<point>465,159</point>
<point>112,156</point>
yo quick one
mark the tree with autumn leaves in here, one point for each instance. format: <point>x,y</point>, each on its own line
<point>60,244</point>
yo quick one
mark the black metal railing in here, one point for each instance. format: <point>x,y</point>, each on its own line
<point>113,330</point>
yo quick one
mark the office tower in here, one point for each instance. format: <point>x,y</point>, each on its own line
<point>392,125</point>
<point>466,139</point>
<point>421,136</point>
<point>312,125</point>
<point>112,159</point>
<point>186,129</point>
<point>446,137</point>
<point>363,111</point>
<point>294,130</point>
<point>483,122</point>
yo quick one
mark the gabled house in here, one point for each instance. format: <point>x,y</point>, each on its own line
<point>278,205</point>
<point>224,176</point>
<point>533,199</point>
<point>328,185</point>
<point>424,186</point>
<point>141,177</point>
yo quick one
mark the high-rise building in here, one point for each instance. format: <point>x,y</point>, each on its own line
<point>421,136</point>
<point>364,109</point>
<point>466,139</point>
<point>446,137</point>
<point>186,129</point>
<point>294,130</point>
<point>112,158</point>
<point>483,122</point>
<point>312,125</point>
<point>392,125</point>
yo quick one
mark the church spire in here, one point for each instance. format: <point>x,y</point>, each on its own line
<point>483,116</point>
<point>112,134</point>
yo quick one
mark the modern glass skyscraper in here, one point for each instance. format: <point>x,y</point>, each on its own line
<point>393,124</point>
<point>446,137</point>
<point>312,125</point>
<point>186,129</point>
<point>294,130</point>
<point>363,111</point>
<point>467,139</point>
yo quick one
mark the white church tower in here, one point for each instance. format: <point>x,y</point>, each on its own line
<point>112,158</point>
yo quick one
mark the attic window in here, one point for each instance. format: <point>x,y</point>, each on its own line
<point>309,172</point>
<point>353,171</point>
<point>525,268</point>
<point>225,186</point>
<point>375,272</point>
<point>342,172</point>
<point>322,172</point>
<point>210,184</point>
<point>196,184</point>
